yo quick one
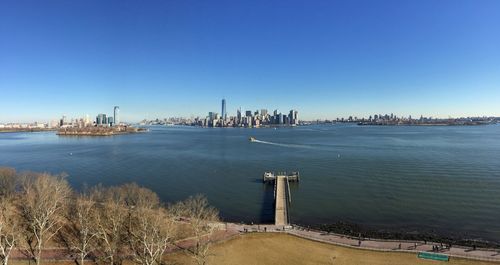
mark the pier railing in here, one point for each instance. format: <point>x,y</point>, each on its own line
<point>284,196</point>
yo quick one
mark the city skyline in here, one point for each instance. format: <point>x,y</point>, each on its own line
<point>328,60</point>
<point>116,113</point>
<point>248,118</point>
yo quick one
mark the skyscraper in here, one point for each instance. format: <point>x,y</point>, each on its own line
<point>223,112</point>
<point>63,121</point>
<point>211,115</point>
<point>116,115</point>
<point>238,116</point>
<point>276,116</point>
<point>295,117</point>
<point>101,119</point>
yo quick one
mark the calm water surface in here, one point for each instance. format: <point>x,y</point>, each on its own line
<point>440,179</point>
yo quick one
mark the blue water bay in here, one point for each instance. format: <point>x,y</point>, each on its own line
<point>441,179</point>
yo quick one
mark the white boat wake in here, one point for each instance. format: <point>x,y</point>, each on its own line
<point>282,145</point>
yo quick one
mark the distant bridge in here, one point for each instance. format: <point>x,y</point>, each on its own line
<point>282,196</point>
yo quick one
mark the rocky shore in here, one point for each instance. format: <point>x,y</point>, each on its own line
<point>356,230</point>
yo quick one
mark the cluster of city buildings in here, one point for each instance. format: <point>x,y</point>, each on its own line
<point>248,118</point>
<point>100,120</point>
<point>391,119</point>
<point>33,125</point>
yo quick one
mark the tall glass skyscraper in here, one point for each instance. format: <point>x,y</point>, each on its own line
<point>116,115</point>
<point>224,114</point>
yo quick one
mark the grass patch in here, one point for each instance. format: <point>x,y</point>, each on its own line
<point>267,248</point>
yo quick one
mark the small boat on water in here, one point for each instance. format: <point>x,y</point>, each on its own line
<point>252,139</point>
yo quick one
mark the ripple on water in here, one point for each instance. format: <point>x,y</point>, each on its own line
<point>427,179</point>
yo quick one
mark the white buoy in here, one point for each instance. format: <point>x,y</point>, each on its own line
<point>70,154</point>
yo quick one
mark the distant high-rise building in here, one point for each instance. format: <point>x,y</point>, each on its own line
<point>276,116</point>
<point>223,112</point>
<point>263,112</point>
<point>295,117</point>
<point>101,119</point>
<point>116,115</point>
<point>248,113</point>
<point>212,115</point>
<point>238,115</point>
<point>63,121</point>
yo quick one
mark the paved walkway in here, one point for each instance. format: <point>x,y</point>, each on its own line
<point>280,214</point>
<point>373,244</point>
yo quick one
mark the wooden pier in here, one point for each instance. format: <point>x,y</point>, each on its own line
<point>282,196</point>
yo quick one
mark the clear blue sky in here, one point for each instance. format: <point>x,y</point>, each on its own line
<point>180,58</point>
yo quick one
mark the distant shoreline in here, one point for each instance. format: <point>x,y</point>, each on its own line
<point>14,130</point>
<point>99,131</point>
<point>106,132</point>
<point>426,124</point>
<point>87,131</point>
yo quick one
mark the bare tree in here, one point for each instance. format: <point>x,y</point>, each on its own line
<point>133,215</point>
<point>8,177</point>
<point>42,205</point>
<point>149,228</point>
<point>9,219</point>
<point>9,235</point>
<point>135,196</point>
<point>202,218</point>
<point>79,234</point>
<point>150,233</point>
<point>110,223</point>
